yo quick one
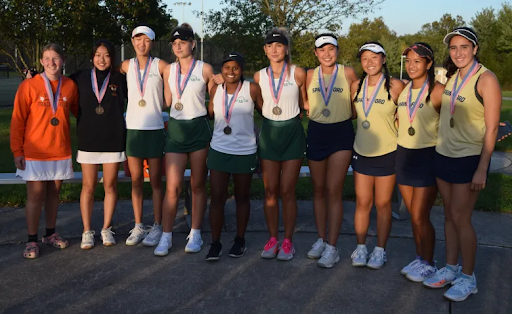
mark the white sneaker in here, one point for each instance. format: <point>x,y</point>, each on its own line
<point>137,234</point>
<point>410,267</point>
<point>194,243</point>
<point>154,235</point>
<point>377,258</point>
<point>421,272</point>
<point>442,277</point>
<point>163,247</point>
<point>330,257</point>
<point>462,288</point>
<point>87,240</point>
<point>107,236</point>
<point>317,249</point>
<point>359,256</point>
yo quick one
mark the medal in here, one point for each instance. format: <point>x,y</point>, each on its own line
<point>100,110</point>
<point>412,107</point>
<point>456,90</point>
<point>329,89</point>
<point>229,105</point>
<point>142,81</point>
<point>54,99</point>
<point>99,93</point>
<point>368,102</point>
<point>275,92</point>
<point>180,86</point>
<point>411,131</point>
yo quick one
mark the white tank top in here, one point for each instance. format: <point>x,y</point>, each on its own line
<point>150,116</point>
<point>194,95</point>
<point>289,101</point>
<point>242,140</point>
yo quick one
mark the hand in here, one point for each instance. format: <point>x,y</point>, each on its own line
<point>307,113</point>
<point>478,182</point>
<point>19,162</point>
<point>504,136</point>
<point>301,115</point>
<point>218,79</point>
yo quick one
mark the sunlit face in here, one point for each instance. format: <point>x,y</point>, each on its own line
<point>102,59</point>
<point>327,55</point>
<point>52,63</point>
<point>142,44</point>
<point>462,51</point>
<point>275,51</point>
<point>416,66</point>
<point>182,48</point>
<point>372,62</point>
<point>231,72</point>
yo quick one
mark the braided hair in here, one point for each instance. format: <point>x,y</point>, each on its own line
<point>387,83</point>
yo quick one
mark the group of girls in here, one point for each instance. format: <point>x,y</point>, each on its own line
<point>422,134</point>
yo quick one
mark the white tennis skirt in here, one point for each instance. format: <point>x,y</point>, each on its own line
<point>95,158</point>
<point>38,170</point>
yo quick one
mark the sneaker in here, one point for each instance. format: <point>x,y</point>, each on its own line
<point>316,249</point>
<point>56,241</point>
<point>87,240</point>
<point>107,236</point>
<point>137,234</point>
<point>194,243</point>
<point>421,272</point>
<point>462,288</point>
<point>410,267</point>
<point>377,258</point>
<point>238,249</point>
<point>286,251</point>
<point>215,251</point>
<point>154,235</point>
<point>442,277</point>
<point>359,256</point>
<point>330,257</point>
<point>31,250</point>
<point>270,249</point>
<point>163,247</point>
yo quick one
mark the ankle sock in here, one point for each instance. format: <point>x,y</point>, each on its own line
<point>49,232</point>
<point>195,232</point>
<point>32,237</point>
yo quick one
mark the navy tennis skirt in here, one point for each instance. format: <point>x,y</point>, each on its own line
<point>324,139</point>
<point>457,170</point>
<point>379,166</point>
<point>416,167</point>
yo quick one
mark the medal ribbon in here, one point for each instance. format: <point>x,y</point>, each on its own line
<point>94,82</point>
<point>228,106</point>
<point>276,93</point>
<point>180,87</point>
<point>142,81</point>
<point>54,99</point>
<point>330,86</point>
<point>412,108</point>
<point>367,105</point>
<point>456,91</point>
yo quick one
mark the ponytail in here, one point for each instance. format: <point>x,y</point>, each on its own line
<point>387,83</point>
<point>360,85</point>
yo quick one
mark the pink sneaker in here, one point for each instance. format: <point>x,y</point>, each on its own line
<point>286,251</point>
<point>31,250</point>
<point>56,241</point>
<point>270,249</point>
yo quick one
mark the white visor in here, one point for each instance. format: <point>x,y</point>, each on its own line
<point>324,40</point>
<point>373,48</point>
<point>144,30</point>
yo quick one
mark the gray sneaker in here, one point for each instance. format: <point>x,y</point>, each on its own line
<point>154,235</point>
<point>107,236</point>
<point>359,256</point>
<point>330,257</point>
<point>137,234</point>
<point>286,251</point>
<point>317,249</point>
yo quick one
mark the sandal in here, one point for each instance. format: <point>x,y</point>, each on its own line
<point>56,241</point>
<point>31,250</point>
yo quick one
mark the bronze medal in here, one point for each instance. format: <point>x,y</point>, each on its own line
<point>227,130</point>
<point>100,110</point>
<point>411,131</point>
<point>178,106</point>
<point>54,121</point>
<point>142,103</point>
<point>277,111</point>
<point>366,124</point>
<point>452,122</point>
<point>326,112</point>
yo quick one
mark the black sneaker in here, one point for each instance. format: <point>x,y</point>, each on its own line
<point>238,249</point>
<point>215,251</point>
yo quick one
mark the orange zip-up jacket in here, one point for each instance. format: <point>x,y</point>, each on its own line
<point>32,134</point>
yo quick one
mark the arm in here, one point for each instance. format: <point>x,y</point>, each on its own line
<point>353,90</point>
<point>167,88</point>
<point>350,75</point>
<point>124,66</point>
<point>20,114</point>
<point>397,87</point>
<point>437,96</point>
<point>309,78</point>
<point>256,97</point>
<point>300,79</point>
<point>210,103</point>
<point>490,90</point>
<point>208,77</point>
<point>73,106</point>
<point>162,65</point>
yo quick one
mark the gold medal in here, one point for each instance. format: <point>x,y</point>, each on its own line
<point>178,106</point>
<point>411,131</point>
<point>100,110</point>
<point>277,111</point>
<point>142,103</point>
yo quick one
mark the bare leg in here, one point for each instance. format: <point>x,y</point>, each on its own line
<point>384,187</point>
<point>450,233</point>
<point>198,186</point>
<point>136,169</point>
<point>271,176</point>
<point>289,178</point>
<point>219,192</point>
<point>423,200</point>
<point>318,174</point>
<point>89,182</point>
<point>175,164</point>
<point>155,178</point>
<point>110,172</point>
<point>364,200</point>
<point>242,200</point>
<point>36,191</point>
<point>406,192</point>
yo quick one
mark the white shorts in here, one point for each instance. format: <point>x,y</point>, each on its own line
<point>95,158</point>
<point>38,170</point>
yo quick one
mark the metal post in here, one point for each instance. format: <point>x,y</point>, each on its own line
<point>122,52</point>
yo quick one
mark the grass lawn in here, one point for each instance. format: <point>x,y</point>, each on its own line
<point>506,93</point>
<point>496,197</point>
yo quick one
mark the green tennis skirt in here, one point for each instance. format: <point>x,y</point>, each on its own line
<point>186,136</point>
<point>145,143</point>
<point>231,163</point>
<point>282,140</point>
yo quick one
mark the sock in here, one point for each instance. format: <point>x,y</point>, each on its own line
<point>240,240</point>
<point>32,237</point>
<point>452,267</point>
<point>167,235</point>
<point>195,232</point>
<point>418,257</point>
<point>360,246</point>
<point>139,225</point>
<point>377,248</point>
<point>470,277</point>
<point>49,232</point>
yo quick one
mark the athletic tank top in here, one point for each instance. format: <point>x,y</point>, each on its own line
<point>425,123</point>
<point>466,138</point>
<point>148,117</point>
<point>289,101</point>
<point>340,104</point>
<point>242,140</point>
<point>194,95</point>
<point>380,138</point>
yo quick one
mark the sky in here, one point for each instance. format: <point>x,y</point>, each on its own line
<point>404,17</point>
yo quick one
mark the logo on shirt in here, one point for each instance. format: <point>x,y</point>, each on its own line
<point>403,104</point>
<point>194,78</point>
<point>459,98</point>
<point>377,101</point>
<point>241,100</point>
<point>288,83</point>
<point>113,88</point>
<point>334,90</point>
